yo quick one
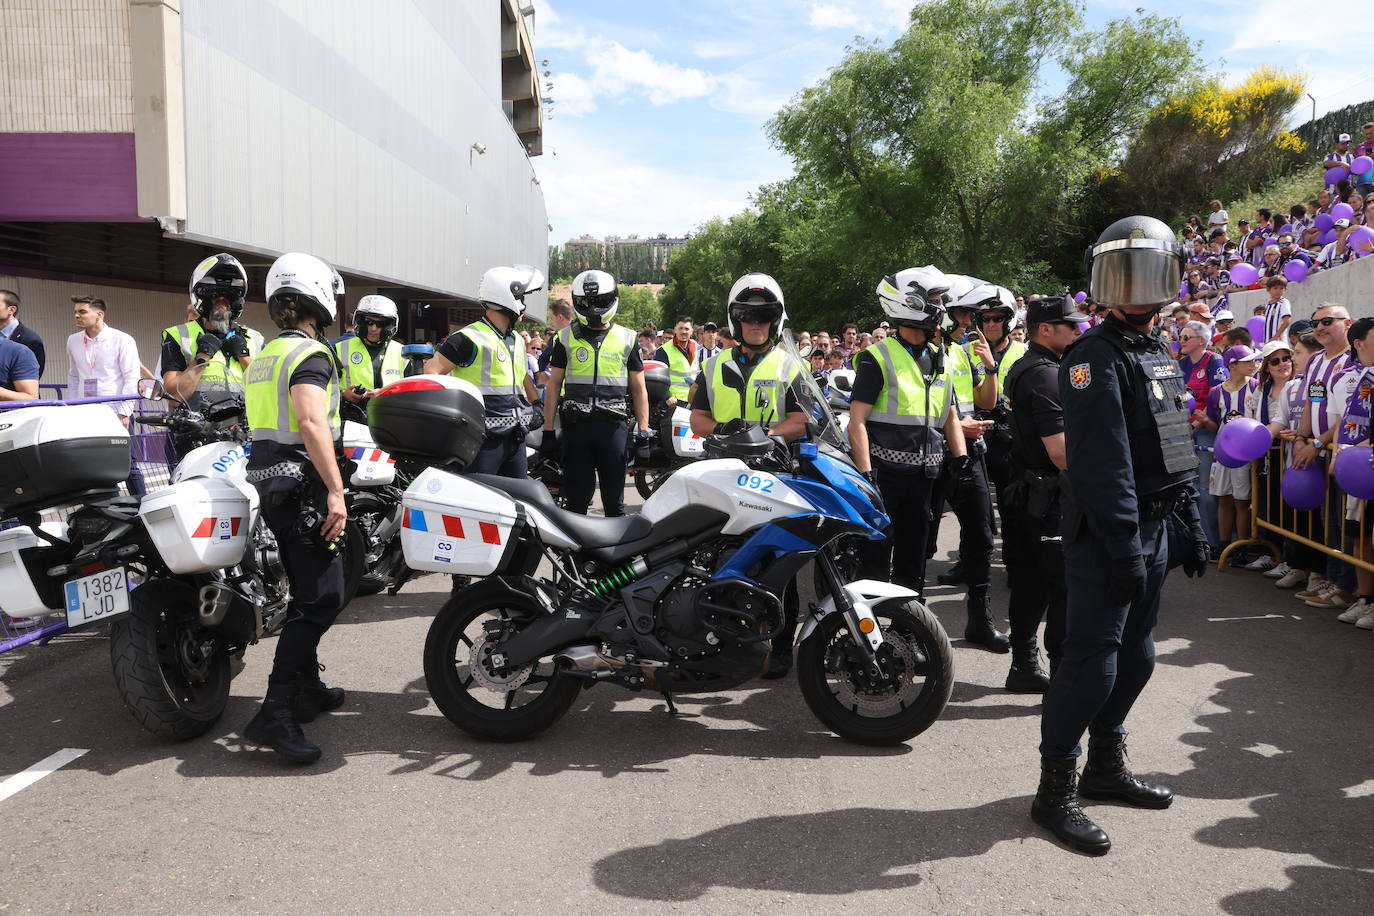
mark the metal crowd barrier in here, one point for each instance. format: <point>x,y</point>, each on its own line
<point>1315,529</point>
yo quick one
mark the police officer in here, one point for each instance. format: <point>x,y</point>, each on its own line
<point>681,355</point>
<point>371,359</point>
<point>491,355</point>
<point>974,377</point>
<point>1030,503</point>
<point>204,361</point>
<point>1129,465</point>
<point>903,419</point>
<point>292,399</point>
<point>755,383</point>
<point>597,368</point>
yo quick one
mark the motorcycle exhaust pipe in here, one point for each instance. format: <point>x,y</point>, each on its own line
<point>586,658</point>
<point>215,600</point>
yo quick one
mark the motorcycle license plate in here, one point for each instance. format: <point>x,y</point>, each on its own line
<point>97,597</point>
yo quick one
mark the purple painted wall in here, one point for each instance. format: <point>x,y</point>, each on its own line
<point>81,177</point>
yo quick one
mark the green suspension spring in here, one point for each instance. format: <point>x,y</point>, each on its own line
<point>619,578</point>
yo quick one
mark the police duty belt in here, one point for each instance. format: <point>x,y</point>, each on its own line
<point>293,469</point>
<point>913,459</point>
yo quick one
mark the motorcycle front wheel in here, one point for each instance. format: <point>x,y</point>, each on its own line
<point>172,673</point>
<point>647,480</point>
<point>487,702</point>
<point>910,694</point>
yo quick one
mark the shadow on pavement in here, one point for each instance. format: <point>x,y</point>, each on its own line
<point>812,854</point>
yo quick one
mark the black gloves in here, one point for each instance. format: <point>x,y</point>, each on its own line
<point>209,344</point>
<point>871,477</point>
<point>1127,584</point>
<point>729,429</point>
<point>548,443</point>
<point>235,345</point>
<point>1200,556</point>
<point>642,449</point>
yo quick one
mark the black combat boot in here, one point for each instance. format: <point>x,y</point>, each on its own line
<point>980,630</point>
<point>952,576</point>
<point>1106,778</point>
<point>275,726</point>
<point>1026,675</point>
<point>1056,808</point>
<point>313,698</point>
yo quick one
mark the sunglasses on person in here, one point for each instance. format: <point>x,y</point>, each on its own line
<point>993,319</point>
<point>374,322</point>
<point>1184,338</point>
<point>1279,360</point>
<point>1328,321</point>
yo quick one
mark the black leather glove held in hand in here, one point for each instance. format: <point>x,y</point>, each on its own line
<point>209,344</point>
<point>642,449</point>
<point>729,429</point>
<point>548,443</point>
<point>960,475</point>
<point>236,345</point>
<point>1200,555</point>
<point>1127,580</point>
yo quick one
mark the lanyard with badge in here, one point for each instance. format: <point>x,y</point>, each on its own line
<point>90,386</point>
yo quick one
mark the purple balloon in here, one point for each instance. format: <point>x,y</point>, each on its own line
<point>1245,439</point>
<point>1324,221</point>
<point>1361,239</point>
<point>1287,229</point>
<point>1192,402</point>
<point>1225,458</point>
<point>1271,243</point>
<point>1295,271</point>
<point>1342,211</point>
<point>1353,472</point>
<point>1327,237</point>
<point>1080,297</point>
<point>1337,174</point>
<point>1304,488</point>
<point>1244,274</point>
<point>1361,165</point>
<point>1083,327</point>
<point>1256,328</point>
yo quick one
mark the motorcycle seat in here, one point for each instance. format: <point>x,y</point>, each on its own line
<point>590,531</point>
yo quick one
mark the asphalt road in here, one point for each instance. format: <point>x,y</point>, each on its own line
<point>1258,717</point>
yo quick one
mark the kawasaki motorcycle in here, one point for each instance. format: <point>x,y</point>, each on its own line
<point>686,597</point>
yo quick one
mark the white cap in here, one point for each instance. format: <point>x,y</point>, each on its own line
<point>1224,315</point>
<point>1343,138</point>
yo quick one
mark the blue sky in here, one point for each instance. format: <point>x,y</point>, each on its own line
<point>660,107</point>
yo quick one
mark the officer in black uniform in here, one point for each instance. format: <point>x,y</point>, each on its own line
<point>1130,465</point>
<point>1030,503</point>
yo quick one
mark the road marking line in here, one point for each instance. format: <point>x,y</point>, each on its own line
<point>44,767</point>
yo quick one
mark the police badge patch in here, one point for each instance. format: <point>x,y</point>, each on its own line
<point>357,359</point>
<point>1080,376</point>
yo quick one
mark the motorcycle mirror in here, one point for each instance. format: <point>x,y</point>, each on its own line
<point>151,389</point>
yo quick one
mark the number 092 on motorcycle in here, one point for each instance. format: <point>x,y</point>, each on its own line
<point>97,597</point>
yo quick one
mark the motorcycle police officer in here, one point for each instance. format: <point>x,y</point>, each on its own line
<point>755,383</point>
<point>681,354</point>
<point>204,361</point>
<point>1130,464</point>
<point>292,400</point>
<point>597,367</point>
<point>1030,503</point>
<point>902,419</point>
<point>491,355</point>
<point>371,359</point>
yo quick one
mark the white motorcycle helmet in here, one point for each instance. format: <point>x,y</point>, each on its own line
<point>505,288</point>
<point>915,297</point>
<point>307,281</point>
<point>380,308</point>
<point>216,276</point>
<point>758,297</point>
<point>595,299</point>
<point>989,298</point>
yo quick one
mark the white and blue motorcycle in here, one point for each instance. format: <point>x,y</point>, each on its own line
<point>686,597</point>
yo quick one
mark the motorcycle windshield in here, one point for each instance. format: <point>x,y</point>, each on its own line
<point>824,427</point>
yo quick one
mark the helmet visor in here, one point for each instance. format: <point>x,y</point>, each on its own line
<point>755,313</point>
<point>1135,272</point>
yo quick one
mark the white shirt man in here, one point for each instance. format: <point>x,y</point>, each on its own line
<point>103,361</point>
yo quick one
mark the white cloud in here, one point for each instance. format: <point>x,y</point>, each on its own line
<point>573,95</point>
<point>868,16</point>
<point>1275,27</point>
<point>616,70</point>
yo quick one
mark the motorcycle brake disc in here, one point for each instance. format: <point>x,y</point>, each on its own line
<point>850,694</point>
<point>479,665</point>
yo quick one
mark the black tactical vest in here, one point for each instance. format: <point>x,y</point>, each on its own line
<point>1027,449</point>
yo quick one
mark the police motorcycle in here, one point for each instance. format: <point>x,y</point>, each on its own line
<point>683,598</point>
<point>672,444</point>
<point>374,502</point>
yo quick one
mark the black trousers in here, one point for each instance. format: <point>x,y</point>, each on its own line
<point>972,506</point>
<point>1034,555</point>
<point>595,450</point>
<point>317,585</point>
<point>503,454</point>
<point>901,556</point>
<point>998,461</point>
<point>1109,649</point>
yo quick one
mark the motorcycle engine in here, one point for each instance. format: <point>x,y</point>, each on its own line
<point>683,624</point>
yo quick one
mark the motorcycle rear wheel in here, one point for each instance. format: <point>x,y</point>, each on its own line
<point>167,688</point>
<point>540,695</point>
<point>647,480</point>
<point>835,690</point>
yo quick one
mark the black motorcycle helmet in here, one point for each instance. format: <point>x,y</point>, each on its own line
<point>1136,265</point>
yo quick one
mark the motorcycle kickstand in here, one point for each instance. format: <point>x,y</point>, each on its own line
<point>673,710</point>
